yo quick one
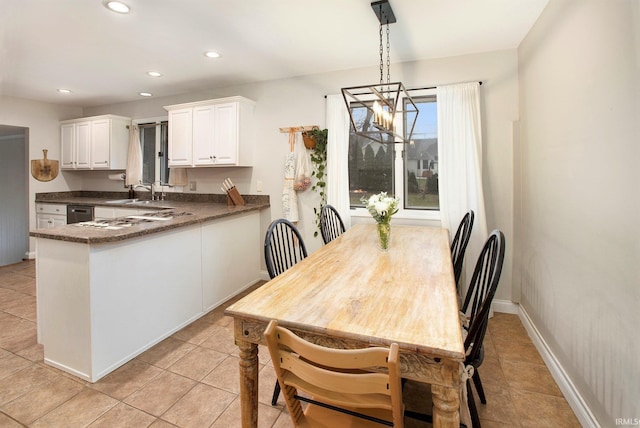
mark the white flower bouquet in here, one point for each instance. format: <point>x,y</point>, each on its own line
<point>381,206</point>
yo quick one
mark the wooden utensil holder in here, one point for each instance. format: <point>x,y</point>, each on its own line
<point>234,196</point>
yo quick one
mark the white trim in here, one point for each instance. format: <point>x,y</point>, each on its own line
<point>505,306</point>
<point>30,255</point>
<point>569,390</point>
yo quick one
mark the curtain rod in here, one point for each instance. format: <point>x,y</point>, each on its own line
<point>430,87</point>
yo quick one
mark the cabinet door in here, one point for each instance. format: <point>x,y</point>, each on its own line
<point>203,135</point>
<point>58,220</point>
<point>180,137</point>
<point>44,221</point>
<point>226,134</point>
<point>100,143</point>
<point>68,140</point>
<point>83,145</point>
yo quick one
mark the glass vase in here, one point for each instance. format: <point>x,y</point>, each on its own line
<point>384,235</point>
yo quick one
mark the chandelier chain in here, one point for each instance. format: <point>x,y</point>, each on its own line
<point>388,59</point>
<point>381,56</point>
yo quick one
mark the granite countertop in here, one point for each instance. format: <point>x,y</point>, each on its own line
<point>190,209</point>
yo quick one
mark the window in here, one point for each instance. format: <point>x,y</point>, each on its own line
<point>406,170</point>
<point>154,138</point>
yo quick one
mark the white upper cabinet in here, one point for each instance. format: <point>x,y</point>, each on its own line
<point>99,142</point>
<point>211,133</point>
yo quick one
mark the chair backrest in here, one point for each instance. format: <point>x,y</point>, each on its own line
<point>335,377</point>
<point>331,225</point>
<point>283,247</point>
<point>459,244</point>
<point>482,288</point>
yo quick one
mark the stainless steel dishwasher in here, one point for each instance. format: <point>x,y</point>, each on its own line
<point>79,213</point>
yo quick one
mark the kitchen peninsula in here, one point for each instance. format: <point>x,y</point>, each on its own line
<point>106,294</point>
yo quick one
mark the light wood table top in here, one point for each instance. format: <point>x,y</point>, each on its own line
<point>351,294</point>
<point>351,289</point>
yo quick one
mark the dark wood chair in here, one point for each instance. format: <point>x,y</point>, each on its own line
<point>331,225</point>
<point>476,307</point>
<point>283,248</point>
<point>459,244</point>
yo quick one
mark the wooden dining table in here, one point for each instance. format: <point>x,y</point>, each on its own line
<point>352,294</point>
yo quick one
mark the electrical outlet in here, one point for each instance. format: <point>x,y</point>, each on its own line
<point>259,186</point>
<point>192,186</point>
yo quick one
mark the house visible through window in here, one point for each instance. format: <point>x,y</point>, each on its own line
<point>154,140</point>
<point>409,171</point>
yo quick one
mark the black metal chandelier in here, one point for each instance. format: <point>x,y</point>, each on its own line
<point>373,108</point>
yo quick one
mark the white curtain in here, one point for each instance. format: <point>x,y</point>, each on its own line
<point>134,158</point>
<point>338,157</point>
<point>460,166</point>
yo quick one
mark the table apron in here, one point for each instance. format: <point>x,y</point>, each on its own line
<point>418,367</point>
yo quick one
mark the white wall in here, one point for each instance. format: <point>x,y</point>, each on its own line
<point>42,119</point>
<point>579,94</point>
<point>300,101</point>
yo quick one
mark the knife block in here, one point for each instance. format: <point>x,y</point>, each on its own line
<point>234,196</point>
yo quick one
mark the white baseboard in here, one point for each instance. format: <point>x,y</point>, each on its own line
<point>30,255</point>
<point>505,306</point>
<point>570,392</point>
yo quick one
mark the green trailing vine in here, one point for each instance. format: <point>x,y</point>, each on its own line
<point>319,160</point>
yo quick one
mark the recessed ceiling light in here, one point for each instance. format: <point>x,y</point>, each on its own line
<point>154,73</point>
<point>117,6</point>
<point>212,54</point>
<point>64,91</point>
<point>145,94</point>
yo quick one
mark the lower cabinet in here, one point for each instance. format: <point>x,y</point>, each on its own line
<point>50,215</point>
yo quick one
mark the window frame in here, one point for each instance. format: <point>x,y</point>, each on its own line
<point>399,179</point>
<point>158,120</point>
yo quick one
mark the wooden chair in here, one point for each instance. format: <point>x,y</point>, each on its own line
<point>331,225</point>
<point>338,384</point>
<point>283,248</point>
<point>459,244</point>
<point>477,306</point>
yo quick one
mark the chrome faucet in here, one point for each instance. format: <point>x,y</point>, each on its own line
<point>149,187</point>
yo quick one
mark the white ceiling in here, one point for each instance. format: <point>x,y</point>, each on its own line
<point>103,56</point>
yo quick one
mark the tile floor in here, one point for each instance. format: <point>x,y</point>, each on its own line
<point>191,378</point>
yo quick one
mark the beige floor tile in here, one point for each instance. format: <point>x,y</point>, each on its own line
<point>160,393</point>
<point>196,332</point>
<point>543,411</point>
<point>230,418</point>
<point>81,410</point>
<point>7,422</point>
<point>33,353</point>
<point>200,407</point>
<point>24,381</point>
<point>166,352</point>
<point>517,351</point>
<point>198,363</point>
<point>530,377</point>
<point>221,340</point>
<point>499,407</point>
<point>123,416</point>
<point>225,376</point>
<point>491,372</point>
<point>159,423</point>
<point>31,406</point>
<point>11,363</point>
<point>508,327</point>
<point>127,379</point>
<point>23,307</point>
<point>267,381</point>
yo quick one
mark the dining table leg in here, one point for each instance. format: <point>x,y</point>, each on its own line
<point>446,406</point>
<point>248,383</point>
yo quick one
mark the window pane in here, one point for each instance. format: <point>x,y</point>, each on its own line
<point>370,164</point>
<point>148,143</point>
<point>421,158</point>
<point>164,149</point>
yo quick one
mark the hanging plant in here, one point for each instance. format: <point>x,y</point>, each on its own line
<point>319,160</point>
